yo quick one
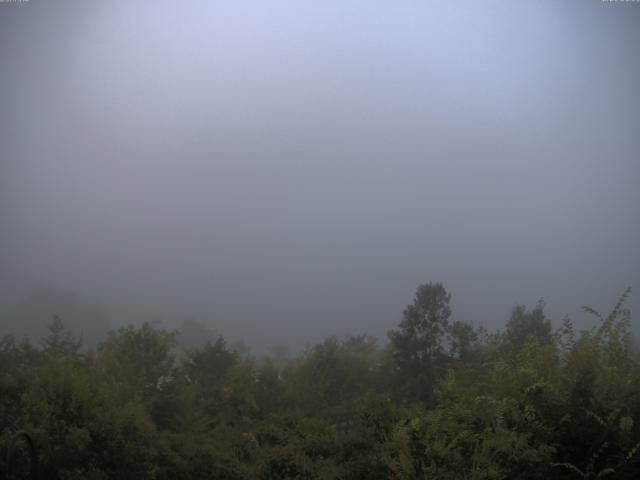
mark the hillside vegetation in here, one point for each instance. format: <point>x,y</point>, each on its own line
<point>442,400</point>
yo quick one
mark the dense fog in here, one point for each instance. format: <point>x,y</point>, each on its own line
<point>284,171</point>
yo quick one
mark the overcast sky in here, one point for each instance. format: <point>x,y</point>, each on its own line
<point>290,170</point>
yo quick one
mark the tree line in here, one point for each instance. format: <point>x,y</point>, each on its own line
<point>442,399</point>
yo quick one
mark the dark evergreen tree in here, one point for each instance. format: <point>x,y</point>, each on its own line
<point>419,343</point>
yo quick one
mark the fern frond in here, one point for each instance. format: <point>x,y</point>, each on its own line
<point>596,417</point>
<point>605,471</point>
<point>623,298</point>
<point>632,452</point>
<point>593,311</point>
<point>570,466</point>
<point>595,456</point>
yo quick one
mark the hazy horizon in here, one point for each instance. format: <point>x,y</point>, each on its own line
<point>286,171</point>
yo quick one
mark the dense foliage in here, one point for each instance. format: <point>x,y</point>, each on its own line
<point>442,400</point>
